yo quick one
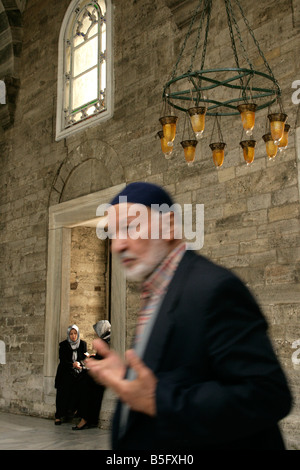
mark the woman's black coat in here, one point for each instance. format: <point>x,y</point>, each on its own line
<point>65,368</point>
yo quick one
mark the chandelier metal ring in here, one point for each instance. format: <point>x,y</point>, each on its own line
<point>201,83</point>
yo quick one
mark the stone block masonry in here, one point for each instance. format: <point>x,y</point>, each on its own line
<point>251,213</point>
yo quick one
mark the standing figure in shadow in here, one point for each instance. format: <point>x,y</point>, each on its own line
<point>91,392</point>
<point>70,373</point>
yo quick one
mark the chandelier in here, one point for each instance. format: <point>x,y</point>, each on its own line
<point>201,94</point>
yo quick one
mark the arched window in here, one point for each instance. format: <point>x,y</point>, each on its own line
<point>85,66</point>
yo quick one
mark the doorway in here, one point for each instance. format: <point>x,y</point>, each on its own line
<point>90,281</point>
<point>66,221</point>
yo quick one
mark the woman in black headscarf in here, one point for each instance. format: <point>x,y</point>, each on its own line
<point>69,373</point>
<point>92,392</point>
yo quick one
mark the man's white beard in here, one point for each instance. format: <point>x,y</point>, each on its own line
<point>139,272</point>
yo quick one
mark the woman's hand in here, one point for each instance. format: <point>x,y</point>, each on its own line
<point>77,365</point>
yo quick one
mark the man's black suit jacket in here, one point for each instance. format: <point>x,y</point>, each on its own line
<point>220,385</point>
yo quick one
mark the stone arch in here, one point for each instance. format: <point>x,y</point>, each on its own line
<point>91,166</point>
<point>10,52</point>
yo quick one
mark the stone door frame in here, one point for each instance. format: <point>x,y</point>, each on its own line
<point>62,217</point>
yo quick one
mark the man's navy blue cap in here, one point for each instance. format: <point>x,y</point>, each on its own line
<point>147,194</point>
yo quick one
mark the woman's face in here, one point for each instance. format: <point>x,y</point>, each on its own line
<point>73,335</point>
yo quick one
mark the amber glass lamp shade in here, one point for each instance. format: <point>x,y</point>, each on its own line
<point>277,122</point>
<point>169,128</point>
<point>218,151</point>
<point>166,149</point>
<point>271,147</point>
<point>189,148</point>
<point>248,147</point>
<point>285,139</point>
<point>197,116</point>
<point>247,112</point>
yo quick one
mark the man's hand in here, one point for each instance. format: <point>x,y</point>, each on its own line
<point>110,366</point>
<point>138,394</point>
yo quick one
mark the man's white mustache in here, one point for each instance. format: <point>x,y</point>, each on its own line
<point>126,255</point>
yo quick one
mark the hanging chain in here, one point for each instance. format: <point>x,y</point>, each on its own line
<point>257,45</point>
<point>186,39</point>
<point>233,45</point>
<point>212,132</point>
<point>206,36</point>
<point>244,87</point>
<point>206,11</point>
<point>220,136</point>
<point>185,114</point>
<point>231,35</point>
<point>187,123</point>
<point>219,129</point>
<point>239,36</point>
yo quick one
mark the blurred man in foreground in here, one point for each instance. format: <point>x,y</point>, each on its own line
<point>202,374</point>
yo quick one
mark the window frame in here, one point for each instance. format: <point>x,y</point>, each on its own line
<point>61,130</point>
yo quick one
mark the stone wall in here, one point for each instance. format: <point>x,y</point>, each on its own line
<point>251,213</point>
<point>89,282</point>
